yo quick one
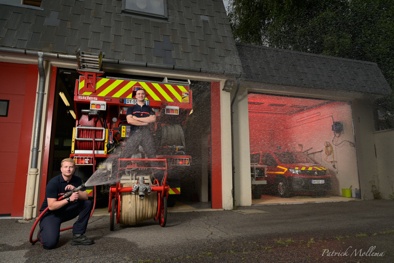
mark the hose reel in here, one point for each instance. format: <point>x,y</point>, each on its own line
<point>172,135</point>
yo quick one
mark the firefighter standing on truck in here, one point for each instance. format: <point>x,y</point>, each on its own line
<point>139,117</point>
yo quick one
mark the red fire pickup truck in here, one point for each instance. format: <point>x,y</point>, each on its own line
<point>287,172</point>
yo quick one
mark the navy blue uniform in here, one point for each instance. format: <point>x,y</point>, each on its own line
<point>140,135</point>
<point>51,221</point>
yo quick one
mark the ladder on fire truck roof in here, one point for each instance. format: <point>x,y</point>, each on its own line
<point>90,62</point>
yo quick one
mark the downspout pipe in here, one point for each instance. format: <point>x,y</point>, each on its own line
<point>33,171</point>
<point>232,139</point>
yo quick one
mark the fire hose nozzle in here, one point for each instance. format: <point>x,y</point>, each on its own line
<point>68,194</point>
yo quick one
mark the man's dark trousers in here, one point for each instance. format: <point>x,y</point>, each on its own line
<point>51,221</point>
<point>141,136</point>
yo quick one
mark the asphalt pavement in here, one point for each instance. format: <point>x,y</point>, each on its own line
<point>359,231</point>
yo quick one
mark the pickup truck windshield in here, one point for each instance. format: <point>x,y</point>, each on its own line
<point>293,157</point>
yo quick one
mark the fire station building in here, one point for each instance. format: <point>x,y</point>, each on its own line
<point>247,100</point>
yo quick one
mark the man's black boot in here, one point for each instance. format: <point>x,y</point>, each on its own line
<point>80,239</point>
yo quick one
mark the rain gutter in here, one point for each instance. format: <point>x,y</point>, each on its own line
<point>119,62</point>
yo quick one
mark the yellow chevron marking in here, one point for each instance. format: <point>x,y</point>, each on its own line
<point>171,192</point>
<point>101,82</point>
<point>284,168</point>
<point>162,92</point>
<point>173,91</point>
<point>296,168</point>
<point>303,168</point>
<point>89,190</point>
<point>81,84</point>
<point>310,168</point>
<point>124,89</point>
<point>150,91</point>
<point>323,168</point>
<point>282,172</point>
<point>98,85</point>
<point>317,168</point>
<point>110,87</point>
<point>182,88</point>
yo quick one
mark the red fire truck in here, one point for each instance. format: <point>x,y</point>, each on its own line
<point>100,107</point>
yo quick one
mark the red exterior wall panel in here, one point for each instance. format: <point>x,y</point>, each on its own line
<point>216,146</point>
<point>22,165</point>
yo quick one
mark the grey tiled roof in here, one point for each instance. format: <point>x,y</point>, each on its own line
<point>196,36</point>
<point>291,68</point>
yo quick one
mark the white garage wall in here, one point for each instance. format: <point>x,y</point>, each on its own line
<point>384,142</point>
<point>312,133</point>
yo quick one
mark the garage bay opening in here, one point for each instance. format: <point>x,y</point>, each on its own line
<point>301,149</point>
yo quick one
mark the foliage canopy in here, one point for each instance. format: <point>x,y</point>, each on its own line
<point>354,29</point>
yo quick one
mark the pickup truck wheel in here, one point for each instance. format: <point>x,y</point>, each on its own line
<point>282,187</point>
<point>257,191</point>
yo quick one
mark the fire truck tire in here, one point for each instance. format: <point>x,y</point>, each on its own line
<point>257,191</point>
<point>112,216</point>
<point>282,187</point>
<point>163,212</point>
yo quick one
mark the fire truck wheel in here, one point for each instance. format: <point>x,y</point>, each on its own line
<point>257,191</point>
<point>163,212</point>
<point>112,216</point>
<point>282,187</point>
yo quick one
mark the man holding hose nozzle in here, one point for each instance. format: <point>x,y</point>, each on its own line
<point>77,204</point>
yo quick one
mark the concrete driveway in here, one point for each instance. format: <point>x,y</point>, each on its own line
<point>361,231</point>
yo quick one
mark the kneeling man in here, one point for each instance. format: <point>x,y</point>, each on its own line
<point>66,209</point>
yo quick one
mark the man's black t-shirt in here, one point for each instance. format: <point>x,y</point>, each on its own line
<point>56,188</point>
<point>139,111</point>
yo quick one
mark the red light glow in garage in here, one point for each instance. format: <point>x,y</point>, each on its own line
<point>320,129</point>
